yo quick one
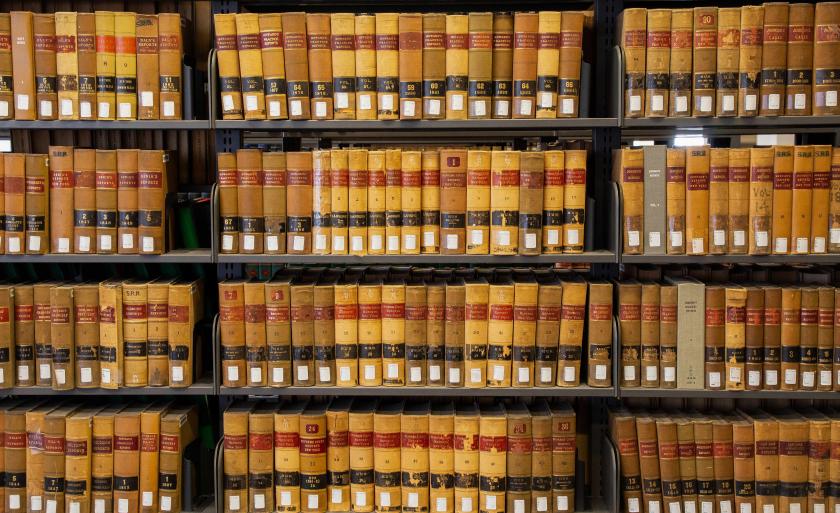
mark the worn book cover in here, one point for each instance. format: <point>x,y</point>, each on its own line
<point>480,76</point>
<point>715,337</point>
<point>478,202</point>
<point>783,170</point>
<point>261,458</point>
<point>801,204</point>
<point>232,331</point>
<point>435,334</point>
<point>106,64</point>
<point>738,207</point>
<point>649,462</point>
<point>178,429</point>
<point>376,203</point>
<point>649,335</point>
<point>454,333</point>
<point>629,324</point>
<point>393,199</point>
<point>531,183</point>
<point>235,470</point>
<point>599,333</point>
<point>411,65</point>
<point>414,457</point>
<point>278,331</point>
<point>571,52</point>
<point>127,214</point>
<point>274,65</point>
<point>256,347</point>
<point>524,332</point>
<point>393,332</point>
<point>754,338</point>
<point>825,338</point>
<point>453,200</point>
<point>170,52</point>
<point>477,295</point>
<point>821,186</point>
<point>338,454</point>
<point>357,201</point>
<point>150,455</point>
<point>321,203</point>
<point>430,194</point>
<point>43,341</point>
<point>339,181</point>
<point>148,67</point>
<point>728,59</point>
<point>7,337</point>
<point>415,333</point>
<point>54,469</point>
<point>504,202</point>
<point>77,458</point>
<point>623,435</point>
<point>525,31</point>
<point>655,188</point>
<point>570,341</point>
<point>548,63</point>
<point>61,199</point>
<point>628,173</point>
<point>302,297</point>
<point>287,456</point>
<point>704,61</point>
<point>343,51</point>
<point>762,180</point>
<point>366,83</point>
<point>370,332</point>
<point>441,461</point>
<point>127,434</point>
<point>493,470</point>
<point>111,337</point>
<point>668,335</point>
<point>697,175</point>
<point>772,336</point>
<point>135,333</point>
<point>37,220</point>
<point>66,70</point>
<point>718,200</point>
<point>774,59</point>
<point>250,65</point>
<point>657,62</point>
<point>273,202</point>
<point>6,77</point>
<point>519,459</point>
<point>185,308</point>
<point>228,58</point>
<point>549,305</point>
<point>791,355</point>
<point>554,184</point>
<point>564,447</point>
<point>675,200</point>
<point>632,27</point>
<point>793,460</point>
<point>410,196</point>
<point>826,16</point>
<point>502,64</point>
<point>125,81</point>
<point>691,309</point>
<point>14,182</point>
<point>735,333</point>
<point>500,333</point>
<point>62,319</point>
<point>23,317</point>
<point>434,66</point>
<point>46,63</point>
<point>386,456</point>
<point>808,333</point>
<point>87,335</point>
<point>299,202</point>
<point>320,65</point>
<point>154,180</point>
<point>297,64</point>
<point>749,59</point>
<point>106,201</point>
<point>84,200</point>
<point>800,60</point>
<point>682,38</point>
<point>704,460</point>
<point>387,66</point>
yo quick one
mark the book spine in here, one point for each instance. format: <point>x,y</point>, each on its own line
<point>743,459</point>
<point>697,199</point>
<point>393,334</point>
<point>519,459</point>
<point>430,195</point>
<point>343,51</point>
<point>250,65</point>
<point>457,65</point>
<point>441,461</point>
<point>346,334</point>
<point>67,68</point>
<point>303,334</point>
<point>63,340</point>
<point>571,53</point>
<point>541,459</point>
<point>500,334</point>
<point>182,314</point>
<point>718,200</point>
<point>563,447</point>
<point>152,186</point>
<point>570,342</point>
<point>800,60</point>
<point>629,324</point>
<point>723,464</point>
<point>821,199</point>
<point>434,66</point>
<point>548,63</point>
<point>414,462</point>
<point>774,59</point>
<point>705,463</point>
<point>250,180</point>
<point>825,338</point>
<point>492,462</point>
<point>504,202</point>
<point>278,335</point>
<point>728,61</point>
<point>235,471</point>
<point>43,342</point>
<point>549,311</point>
<point>704,61</point>
<point>682,35</point>
<point>23,59</point>
<point>629,174</point>
<point>255,333</point>
<point>387,65</point>
<point>357,201</point>
<point>46,64</point>
<point>61,199</point>
<point>338,459</point>
<point>320,70</point>
<point>106,65</point>
<point>339,182</point>
<point>667,336</point>
<point>525,27</point>
<point>808,333</point>
<point>228,201</point>
<point>600,334</point>
<point>690,317</point>
<point>297,64</point>
<point>411,65</point>
<point>54,470</point>
<point>77,461</point>
<point>790,337</point>
<point>84,201</point>
<point>478,202</point>
<point>502,65</point>
<point>415,334</point>
<point>411,197</point>
<point>136,334</point>
<point>393,201</point>
<point>475,334</point>
<point>749,59</point>
<point>361,460</point>
<point>127,213</point>
<point>525,336</point>
<point>386,462</point>
<point>793,463</point>
<point>232,325</point>
<point>228,57</point>
<point>624,437</point>
<point>772,337</point>
<point>649,463</point>
<point>125,82</point>
<point>274,65</point>
<point>782,198</point>
<point>655,189</point>
<point>531,184</point>
<point>657,62</point>
<point>668,453</point>
<point>803,188</point>
<point>173,442</point>
<point>754,338</point>
<point>149,459</point>
<point>633,24</point>
<point>24,335</point>
<point>819,448</point>
<point>739,200</point>
<point>261,461</point>
<point>825,59</point>
<point>766,463</point>
<point>6,77</point>
<point>553,198</point>
<point>299,203</point>
<point>435,333</point>
<point>14,202</point>
<point>287,461</point>
<point>715,338</point>
<point>649,330</point>
<point>480,69</point>
<point>574,201</point>
<point>762,180</point>
<point>106,201</point>
<point>735,333</point>
<point>87,336</point>
<point>453,201</point>
<point>148,67</point>
<point>377,217</point>
<point>7,337</point>
<point>370,335</point>
<point>675,200</point>
<point>366,67</point>
<point>323,314</point>
<point>170,49</point>
<point>110,335</point>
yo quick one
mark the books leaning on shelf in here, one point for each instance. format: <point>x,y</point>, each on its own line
<point>486,65</point>
<point>729,201</point>
<point>117,333</point>
<point>90,66</point>
<point>399,327</point>
<point>348,455</point>
<point>757,60</point>
<point>374,202</point>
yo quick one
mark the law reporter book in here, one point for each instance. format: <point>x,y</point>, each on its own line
<point>800,60</point>
<point>571,53</point>
<point>525,28</point>
<point>320,65</point>
<point>479,84</point>
<point>84,200</point>
<point>632,27</point>
<point>250,65</point>
<point>228,56</point>
<point>749,59</point>
<point>434,66</point>
<point>155,175</point>
<point>67,67</point>
<point>178,429</point>
<point>106,201</point>
<point>457,65</point>
<point>273,65</point>
<point>46,97</point>
<point>148,67</point>
<point>343,47</point>
<point>657,58</point>
<point>111,336</point>
<point>170,51</point>
<point>261,458</point>
<point>235,466</point>
<point>6,77</point>
<point>127,197</point>
<point>774,59</point>
<point>411,65</point>
<point>126,64</point>
<point>14,199</point>
<point>297,64</point>
<point>502,64</point>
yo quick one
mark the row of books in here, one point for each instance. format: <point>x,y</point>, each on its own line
<point>757,60</point>
<point>77,200</point>
<point>479,65</point>
<point>62,456</point>
<point>108,335</point>
<point>102,65</point>
<point>700,200</point>
<point>399,456</point>
<point>401,201</point>
<point>741,461</point>
<point>401,327</point>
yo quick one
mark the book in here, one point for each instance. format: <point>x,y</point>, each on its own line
<point>541,455</point>
<point>110,335</point>
<point>228,57</point>
<point>387,66</point>
<point>411,65</point>
<point>430,194</point>
<point>493,465</point>
<point>480,69</point>
<point>62,320</point>
<point>548,63</point>
<point>409,194</point>
<point>669,464</point>
<point>571,44</point>
<point>228,202</point>
<point>106,63</point>
<point>286,456</point>
<point>704,461</point>
<point>632,27</point>
<point>649,462</point>
<point>738,207</point>
<point>570,342</point>
<point>367,104</point>
<point>668,299</point>
<point>346,333</point>
<point>435,332</point>
<point>504,202</point>
<point>343,52</point>
<point>466,465</point>
<point>718,200</point>
<point>549,312</point>
<point>299,202</point>
<point>66,70</point>
<point>715,337</point>
<point>808,332</point>
<point>623,435</point>
<point>525,29</point>
<point>790,337</point>
<point>386,456</point>
<point>393,333</point>
<point>370,332</point>
<point>824,91</point>
<point>519,458</point>
<point>554,184</point>
<point>629,324</point>
<point>46,87</point>
<point>157,323</point>
<point>54,470</point>
<point>148,67</point>
<point>23,59</point>
<point>657,62</point>
<point>457,65</point>
<point>525,292</point>
<point>724,486</point>
<point>772,336</point>
<point>478,201</point>
<point>821,186</point>
<point>61,196</point>
<point>675,200</point>
<point>135,315</point>
<point>36,220</point>
<point>7,337</point>
<point>415,333</point>
<point>743,458</point>
<point>704,60</point>
<point>178,429</point>
<point>774,59</point>
<point>127,433</point>
<point>150,455</point>
<point>749,59</point>
<point>825,339</point>
<point>297,64</point>
<point>800,59</point>
<point>154,175</point>
<point>323,313</point>
<point>184,309</point>
<point>441,457</point>
<point>105,199</point>
<point>563,448</point>
<point>434,66</point>
<point>691,308</point>
<point>87,336</point>
<point>793,460</point>
<point>502,73</point>
<point>232,325</point>
<point>728,61</point>
<point>250,65</point>
<point>302,292</point>
<point>338,453</point>
<point>697,169</point>
<point>735,337</point>
<point>531,183</point>
<point>377,201</point>
<point>649,335</point>
<point>414,457</point>
<point>14,183</point>
<point>170,51</point>
<point>235,462</point>
<point>339,182</point>
<point>320,69</point>
<point>762,180</point>
<point>125,81</point>
<point>273,65</point>
<point>477,293</point>
<point>599,334</point>
<point>127,201</point>
<point>754,338</point>
<point>452,200</point>
<point>6,77</point>
<point>261,457</point>
<point>77,458</point>
<point>24,335</point>
<point>655,161</point>
<point>84,200</point>
<point>357,201</point>
<point>803,179</point>
<point>783,165</point>
<point>43,342</point>
<point>628,173</point>
<point>278,336</point>
<point>680,78</point>
<point>500,333</point>
<point>249,200</point>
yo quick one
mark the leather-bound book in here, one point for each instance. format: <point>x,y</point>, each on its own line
<point>127,214</point>
<point>632,27</point>
<point>435,331</point>
<point>393,333</point>
<point>297,64</point>
<point>825,339</point>
<point>793,461</point>
<point>61,199</point>
<point>519,459</point>
<point>441,461</point>
<point>687,452</point>
<point>599,334</point>
<point>553,197</point>
<point>338,453</point>
<point>23,60</point>
<point>480,84</point>
<point>826,47</point>
<point>502,64</point>
<point>697,171</point>
<point>106,64</point>
<point>629,325</point>
<point>801,204</point>
<point>570,342</point>
<point>531,179</point>
<point>84,200</point>
<point>339,176</point>
<point>457,65</point>
<point>87,335</point>
<point>111,336</point>
<point>411,65</point>
<point>273,65</point>
<point>739,200</point>
<point>749,59</point>
<point>7,109</point>
<point>819,450</point>
<point>669,464</point>
<point>430,193</point>
<point>148,67</point>
<point>821,198</point>
<point>235,471</point>
<point>393,199</point>
<point>106,201</point>
<point>366,101</point>
<point>628,173</point>
<point>478,202</point>
<point>574,201</point>
<point>232,329</point>
<point>772,336</point>
<point>24,335</point>
<point>278,336</point>
<point>343,51</point>
<point>7,337</point>
<point>33,441</point>
<point>525,292</point>
<point>346,301</point>
<point>774,59</point>
<point>416,348</point>
<point>36,184</point>
<point>834,206</point>
<point>808,333</point>
<point>228,202</point>
<point>492,462</point>
<point>453,200</point>
<point>62,315</point>
<point>500,333</point>
<point>525,28</point>
<point>361,434</point>
<point>655,192</point>
<point>386,457</point>
<point>125,81</point>
<point>649,462</point>
<point>154,174</point>
<point>256,347</point>
<point>250,65</point>
<point>754,338</point>
<point>66,69</point>
<point>410,194</point>
<point>299,202</point>
<point>675,200</point>
<point>504,202</point>
<point>743,458</point>
<point>434,66</point>
<point>184,308</point>
<point>261,458</point>
<point>43,342</point>
<point>682,38</point>
<point>135,332</point>
<point>791,351</point>
<point>357,201</point>
<point>623,435</point>
<point>761,200</point>
<point>704,61</point>
<point>571,53</point>
<point>228,56</point>
<point>376,202</point>
<point>249,190</point>
<point>170,49</point>
<point>800,60</point>
<point>548,63</point>
<point>150,456</point>
<point>77,458</point>
<point>723,462</point>
<point>650,335</point>
<point>564,446</point>
<point>718,200</point>
<point>370,332</point>
<point>728,58</point>
<point>704,461</point>
<point>320,65</point>
<point>475,333</point>
<point>667,335</point>
<point>387,66</point>
<point>715,337</point>
<point>46,63</point>
<point>273,201</point>
<point>302,297</point>
<point>657,63</point>
<point>178,429</point>
<point>54,469</point>
<point>735,333</point>
<point>286,456</point>
<point>783,163</point>
<point>14,200</point>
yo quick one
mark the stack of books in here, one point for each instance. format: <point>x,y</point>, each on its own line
<point>399,456</point>
<point>398,201</point>
<point>401,327</point>
<point>111,334</point>
<point>479,65</point>
<point>714,201</point>
<point>103,65</point>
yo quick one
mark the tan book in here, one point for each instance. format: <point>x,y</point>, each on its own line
<point>704,60</point>
<point>434,66</point>
<point>366,66</point>
<point>87,335</point>
<point>718,200</point>
<point>370,333</point>
<point>825,55</point>
<point>135,333</point>
<point>377,217</point>
<point>629,324</point>
<point>178,429</point>
<point>649,324</point>
<point>791,311</point>
<point>553,201</point>
<point>415,333</point>
<point>761,199</point>
<point>256,347</point>
<point>825,338</point>
<point>127,201</point>
<point>772,336</point>
<point>723,462</point>
<point>278,337</point>
<point>739,201</point>
<point>235,470</point>
<point>675,200</point>
<point>343,51</point>
<point>526,292</point>
<point>668,335</point>
<point>519,458</point>
<point>570,343</point>
<point>261,457</point>
<point>77,458</point>
<point>386,457</point>
<point>185,308</point>
<point>125,82</point>
<point>411,65</point>
<point>477,293</point>
<point>808,333</point>
<point>338,454</point>
<point>600,334</point>
<point>735,330</point>
<point>548,63</point>
<point>150,438</point>
<point>170,51</point>
<point>43,340</point>
<point>393,200</point>
<point>628,173</point>
<point>14,182</point>
<point>457,65</point>
<point>24,334</point>
<point>728,61</point>
<point>250,65</point>
<point>127,435</point>
<point>61,196</point>
<point>435,331</point>
<point>414,457</point>
<point>299,202</point>
<point>754,338</point>
<point>62,315</point>
<point>783,165</point>
<point>531,180</point>
<point>66,70</point>
<point>154,175</point>
<point>410,196</point>
<point>480,69</point>
<point>23,60</point>
<point>339,181</point>
<point>54,470</point>
<point>525,30</point>
<point>302,297</point>
<point>106,64</point>
<point>6,77</point>
<point>714,363</point>
<point>649,462</point>
<point>273,202</point>
<point>504,202</point>
<point>357,201</point>
<point>680,80</point>
<point>273,65</point>
<point>774,59</point>
<point>7,337</point>
<point>623,435</point>
<point>393,333</point>
<point>441,457</point>
<point>453,200</point>
<point>35,455</point>
<point>821,186</point>
<point>801,205</point>
<point>321,203</point>
<point>657,62</point>
<point>571,53</point>
<point>749,59</point>
<point>632,25</point>
<point>106,201</point>
<point>228,57</point>
<point>111,337</point>
<point>84,200</point>
<point>705,461</point>
<point>478,201</point>
<point>502,64</point>
<point>800,60</point>
<point>287,456</point>
<point>296,59</point>
<point>37,219</point>
<point>387,66</point>
<point>148,67</point>
<point>697,199</point>
<point>793,460</point>
<point>430,194</point>
<point>320,65</point>
<point>564,446</point>
<point>500,333</point>
<point>492,461</point>
<point>232,331</point>
<point>46,64</point>
<point>669,464</point>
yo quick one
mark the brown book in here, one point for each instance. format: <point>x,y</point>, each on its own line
<point>178,429</point>
<point>228,57</point>
<point>834,206</point>
<point>563,428</point>
<point>299,202</point>
<point>500,333</point>
<point>457,65</point>
<point>297,64</point>
<point>519,459</point>
<point>184,308</point>
<point>343,51</point>
<point>525,29</point>
<point>657,62</point>
<point>623,435</point>
<point>478,201</point>
<point>548,63</point>
<point>235,470</point>
<point>273,65</point>
<point>61,199</point>
<point>801,205</point>
<point>825,59</point>
<point>628,173</point>
<point>571,43</point>
<point>430,192</point>
<point>415,333</point>
<point>7,337</point>
<point>800,60</point>
<point>6,77</point>
<point>687,453</point>
<point>629,324</point>
<point>434,66</point>
<point>476,300</point>
<point>502,64</point>
<point>386,457</point>
<point>387,65</point>
<point>718,200</point>
<point>669,464</point>
<point>249,200</point>
<point>320,68</point>
<point>346,299</point>
<point>148,67</point>
<point>111,337</point>
<point>339,201</point>
<point>715,337</point>
<point>531,179</point>
<point>441,458</point>
<point>754,338</point>
<point>24,335</point>
<point>34,456</point>
<point>376,200</point>
<point>62,320</point>
<point>668,336</point>
<point>357,201</point>
<point>126,65</point>
<point>791,337</point>
<point>232,330</point>
<point>250,65</point>
<point>366,66</point>
<point>77,458</point>
<point>649,462</point>
<point>323,313</point>
<point>480,78</point>
<point>321,203</point>
<point>157,323</point>
<point>825,338</point>
<point>723,463</point>
<point>735,332</point>
<point>772,336</point>
<point>127,437</point>
<point>170,50</point>
<point>553,198</point>
<point>453,201</point>
<point>411,65</point>
<point>36,183</point>
<point>127,201</point>
<point>697,174</point>
<point>286,457</point>
<point>135,333</point>
<point>649,331</point>
<point>403,201</point>
<point>743,459</point>
<point>821,186</point>
<point>150,455</point>
<point>541,456</point>
<point>23,60</point>
<point>338,453</point>
<point>43,327</point>
<point>14,200</point>
<point>728,61</point>
<point>228,202</point>
<point>302,297</point>
<point>704,61</point>
<point>46,63</point>
<point>504,202</point>
<point>278,332</point>
<point>739,200</point>
<point>84,200</point>
<point>793,461</point>
<point>153,183</point>
<point>106,65</point>
<point>570,342</point>
<point>632,25</point>
<point>783,165</point>
<point>370,332</point>
<point>261,458</point>
<point>54,470</point>
<point>762,180</point>
<point>435,337</point>
<point>549,311</point>
<point>774,59</point>
<point>106,201</point>
<point>682,37</point>
<point>87,335</point>
<point>705,461</point>
<point>675,199</point>
<point>361,429</point>
<point>525,292</point>
<point>492,462</point>
<point>808,333</point>
<point>749,59</point>
<point>414,457</point>
<point>67,68</point>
